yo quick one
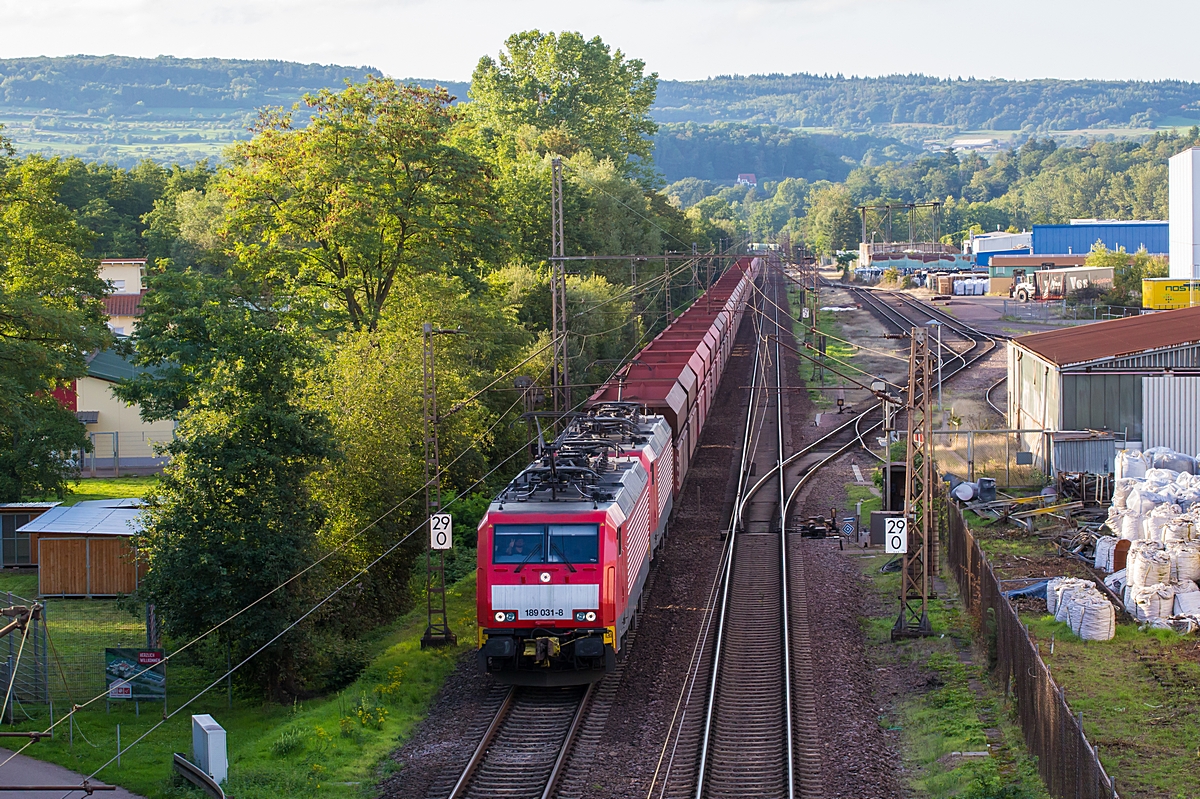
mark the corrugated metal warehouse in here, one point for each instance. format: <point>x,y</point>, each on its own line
<point>1137,377</point>
<point>1080,235</point>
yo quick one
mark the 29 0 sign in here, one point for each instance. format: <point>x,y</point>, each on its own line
<point>895,536</point>
<point>441,531</point>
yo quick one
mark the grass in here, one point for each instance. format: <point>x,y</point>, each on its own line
<point>1139,693</point>
<point>91,488</point>
<point>837,352</point>
<point>328,747</point>
<point>953,711</point>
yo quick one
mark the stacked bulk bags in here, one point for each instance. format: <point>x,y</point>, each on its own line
<point>1084,609</point>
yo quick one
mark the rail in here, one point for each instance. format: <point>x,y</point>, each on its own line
<point>530,737</point>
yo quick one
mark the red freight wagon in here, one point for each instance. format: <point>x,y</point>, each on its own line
<point>565,549</point>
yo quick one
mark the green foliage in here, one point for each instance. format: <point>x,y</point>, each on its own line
<point>371,191</point>
<point>288,743</point>
<point>1128,271</point>
<point>51,317</point>
<point>232,517</point>
<point>574,93</point>
<point>831,222</point>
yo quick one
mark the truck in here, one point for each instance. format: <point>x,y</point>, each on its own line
<point>1056,284</point>
<point>1167,293</point>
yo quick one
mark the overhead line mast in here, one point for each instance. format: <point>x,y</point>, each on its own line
<point>920,559</point>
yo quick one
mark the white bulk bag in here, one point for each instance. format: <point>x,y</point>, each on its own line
<point>1121,489</point>
<point>1148,566</point>
<point>1187,603</point>
<point>1131,526</point>
<point>1104,552</point>
<point>1185,560</point>
<point>1092,618</point>
<point>1153,601</point>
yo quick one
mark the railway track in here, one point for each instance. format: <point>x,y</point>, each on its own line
<point>524,748</point>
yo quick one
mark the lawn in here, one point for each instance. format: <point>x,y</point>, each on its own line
<point>331,746</point>
<point>90,488</point>
<point>951,709</point>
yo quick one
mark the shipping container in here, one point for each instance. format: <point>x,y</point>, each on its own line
<point>1080,236</point>
<point>1085,451</point>
<point>1165,293</point>
<point>1058,283</point>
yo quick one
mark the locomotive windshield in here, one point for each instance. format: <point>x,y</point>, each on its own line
<point>574,543</point>
<point>539,543</point>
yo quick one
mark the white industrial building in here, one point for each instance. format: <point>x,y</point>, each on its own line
<point>1184,201</point>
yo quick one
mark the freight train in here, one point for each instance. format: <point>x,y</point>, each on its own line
<point>565,549</point>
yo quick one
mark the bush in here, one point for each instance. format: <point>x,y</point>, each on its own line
<point>333,662</point>
<point>289,742</point>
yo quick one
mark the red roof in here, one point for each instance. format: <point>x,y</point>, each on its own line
<point>124,304</point>
<point>1116,338</point>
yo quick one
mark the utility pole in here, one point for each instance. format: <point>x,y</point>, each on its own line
<point>667,287</point>
<point>437,628</point>
<point>920,559</point>
<point>559,375</point>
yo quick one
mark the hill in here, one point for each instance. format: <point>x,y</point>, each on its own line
<point>121,109</point>
<point>834,101</point>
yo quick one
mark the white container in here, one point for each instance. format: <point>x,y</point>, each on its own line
<point>209,748</point>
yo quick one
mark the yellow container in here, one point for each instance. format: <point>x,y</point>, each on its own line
<point>1165,293</point>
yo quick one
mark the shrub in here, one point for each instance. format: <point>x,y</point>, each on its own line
<point>289,742</point>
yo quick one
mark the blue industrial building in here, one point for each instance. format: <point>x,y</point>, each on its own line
<point>1078,237</point>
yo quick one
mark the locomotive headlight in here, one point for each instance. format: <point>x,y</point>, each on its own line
<point>499,615</point>
<point>590,615</point>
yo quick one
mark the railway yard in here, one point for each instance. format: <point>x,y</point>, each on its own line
<point>754,668</point>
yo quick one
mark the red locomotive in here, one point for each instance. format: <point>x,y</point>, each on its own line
<point>565,549</point>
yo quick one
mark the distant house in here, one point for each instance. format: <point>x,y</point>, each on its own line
<point>85,549</point>
<point>126,278</point>
<point>121,441</point>
<point>747,179</point>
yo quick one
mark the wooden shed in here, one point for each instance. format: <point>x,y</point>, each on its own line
<point>86,549</point>
<point>16,548</point>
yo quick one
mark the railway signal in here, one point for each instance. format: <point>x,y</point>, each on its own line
<point>920,557</point>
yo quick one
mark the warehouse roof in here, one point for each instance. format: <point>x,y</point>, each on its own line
<point>94,517</point>
<point>1116,338</point>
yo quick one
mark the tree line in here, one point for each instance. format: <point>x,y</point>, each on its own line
<point>863,103</point>
<point>1039,182</point>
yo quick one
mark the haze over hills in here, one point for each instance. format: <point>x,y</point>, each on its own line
<point>122,109</point>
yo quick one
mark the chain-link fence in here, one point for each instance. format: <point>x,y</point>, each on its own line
<point>1006,456</point>
<point>1068,764</point>
<point>1061,311</point>
<point>23,675</point>
<point>79,632</point>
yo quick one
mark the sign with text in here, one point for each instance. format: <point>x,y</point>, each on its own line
<point>895,536</point>
<point>441,531</point>
<point>139,674</point>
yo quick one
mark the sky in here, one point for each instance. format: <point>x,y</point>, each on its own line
<point>679,39</point>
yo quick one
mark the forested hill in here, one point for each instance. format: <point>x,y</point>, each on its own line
<point>165,85</point>
<point>854,103</point>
